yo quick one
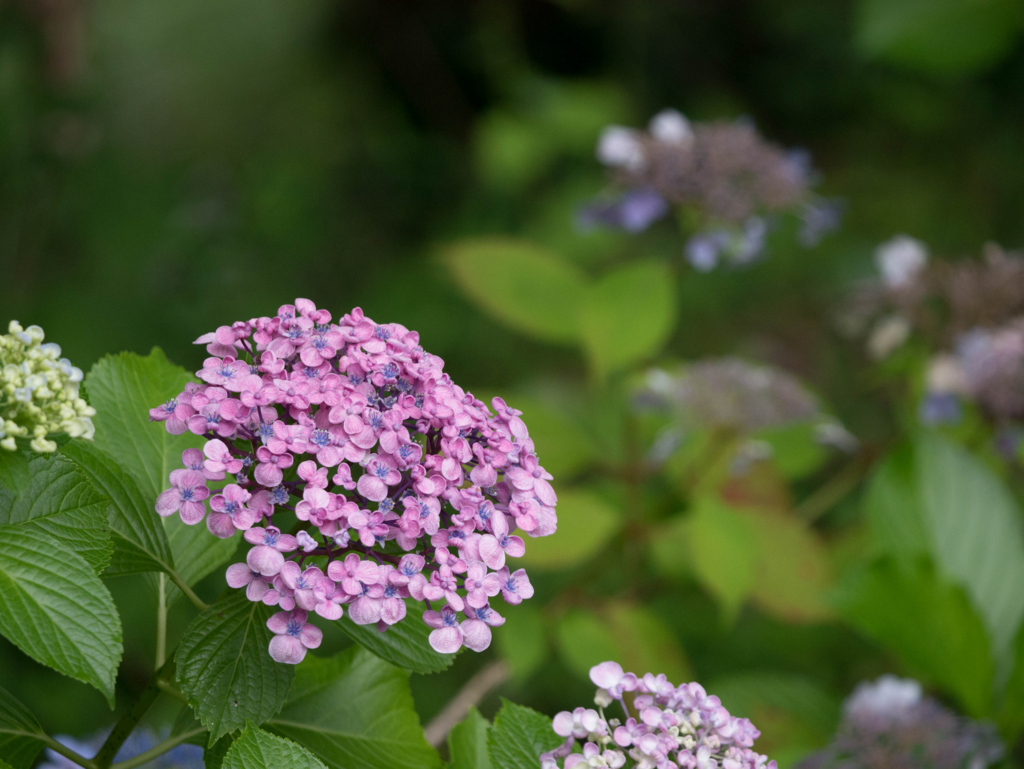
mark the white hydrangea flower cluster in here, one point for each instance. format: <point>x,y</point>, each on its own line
<point>39,391</point>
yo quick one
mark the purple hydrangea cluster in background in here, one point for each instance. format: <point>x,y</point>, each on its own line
<point>673,726</point>
<point>395,482</point>
<point>889,724</point>
<point>723,177</point>
<point>970,313</point>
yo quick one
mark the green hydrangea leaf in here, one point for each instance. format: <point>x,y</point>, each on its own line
<point>123,388</point>
<point>404,645</point>
<point>21,736</point>
<point>628,315</point>
<point>355,711</point>
<point>521,285</point>
<point>59,501</point>
<point>256,749</point>
<point>225,669</point>
<point>55,609</point>
<point>519,736</point>
<point>975,536</point>
<point>467,743</point>
<point>140,544</point>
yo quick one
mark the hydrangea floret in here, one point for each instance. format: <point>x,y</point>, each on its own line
<point>39,392</point>
<point>664,726</point>
<point>361,475</point>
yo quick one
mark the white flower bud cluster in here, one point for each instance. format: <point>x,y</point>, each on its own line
<point>39,391</point>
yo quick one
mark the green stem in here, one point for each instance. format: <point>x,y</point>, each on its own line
<point>167,688</point>
<point>161,621</point>
<point>168,744</point>
<point>180,583</point>
<point>68,753</point>
<point>832,491</point>
<point>126,725</point>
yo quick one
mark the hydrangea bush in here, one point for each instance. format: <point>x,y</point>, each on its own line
<point>401,484</point>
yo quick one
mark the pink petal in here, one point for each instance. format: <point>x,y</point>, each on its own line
<point>606,675</point>
<point>268,475</point>
<point>287,649</point>
<point>544,492</point>
<point>446,640</point>
<point>491,552</point>
<point>192,512</point>
<point>169,502</point>
<point>372,488</point>
<point>265,560</point>
<point>221,525</point>
<point>278,623</point>
<point>393,610</point>
<point>365,611</point>
<point>238,575</point>
<point>329,610</point>
<point>311,636</point>
<point>256,590</point>
<point>520,478</point>
<point>515,547</point>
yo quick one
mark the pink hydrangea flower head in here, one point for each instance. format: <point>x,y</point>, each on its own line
<point>410,488</point>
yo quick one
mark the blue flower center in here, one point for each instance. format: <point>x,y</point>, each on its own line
<point>294,628</point>
<point>187,494</point>
<point>227,372</point>
<point>382,333</point>
<point>279,495</point>
<point>381,471</point>
<point>449,618</point>
<point>390,371</point>
<point>171,405</point>
<point>511,585</point>
<point>406,451</point>
<point>270,538</point>
<point>321,438</point>
<point>391,591</point>
<point>231,508</point>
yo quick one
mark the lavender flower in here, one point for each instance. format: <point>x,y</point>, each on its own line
<point>679,726</point>
<point>405,486</point>
<point>889,724</point>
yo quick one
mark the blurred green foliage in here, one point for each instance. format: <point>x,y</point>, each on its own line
<point>168,168</point>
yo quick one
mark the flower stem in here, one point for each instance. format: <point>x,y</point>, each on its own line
<point>68,753</point>
<point>169,744</point>
<point>198,602</point>
<point>126,725</point>
<point>161,621</point>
